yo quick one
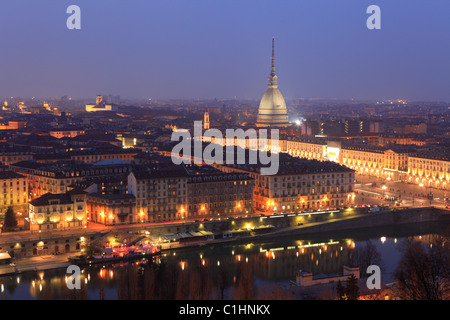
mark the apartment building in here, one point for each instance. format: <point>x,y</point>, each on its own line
<point>212,193</point>
<point>307,147</point>
<point>160,195</point>
<point>13,193</point>
<point>112,208</point>
<point>56,177</point>
<point>390,162</point>
<point>190,191</point>
<point>56,212</point>
<point>299,184</point>
<point>430,169</point>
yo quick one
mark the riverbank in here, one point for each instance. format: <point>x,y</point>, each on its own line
<point>360,222</point>
<point>274,262</point>
<point>37,263</point>
<point>386,219</point>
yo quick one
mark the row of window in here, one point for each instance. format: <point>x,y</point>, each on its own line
<point>11,202</point>
<point>57,209</point>
<point>15,182</point>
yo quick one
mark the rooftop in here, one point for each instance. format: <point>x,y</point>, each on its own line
<point>59,198</point>
<point>64,169</point>
<point>10,175</point>
<point>289,165</point>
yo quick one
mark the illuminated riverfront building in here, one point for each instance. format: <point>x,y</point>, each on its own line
<point>272,112</point>
<point>55,212</point>
<point>299,184</point>
<point>217,194</point>
<point>160,195</point>
<point>182,192</point>
<point>111,209</point>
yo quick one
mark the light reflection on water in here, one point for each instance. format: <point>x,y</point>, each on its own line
<point>213,272</point>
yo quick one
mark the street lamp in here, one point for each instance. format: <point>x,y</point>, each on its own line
<point>429,195</point>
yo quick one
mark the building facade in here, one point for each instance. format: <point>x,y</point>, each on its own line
<point>57,177</point>
<point>190,192</point>
<point>219,194</point>
<point>309,147</point>
<point>57,212</point>
<point>429,170</point>
<point>111,209</point>
<point>300,185</point>
<point>14,193</point>
<point>389,162</point>
<point>160,196</point>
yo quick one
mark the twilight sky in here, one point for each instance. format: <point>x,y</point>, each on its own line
<point>222,48</point>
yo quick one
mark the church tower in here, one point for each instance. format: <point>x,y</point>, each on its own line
<point>272,112</point>
<point>99,99</point>
<point>206,120</point>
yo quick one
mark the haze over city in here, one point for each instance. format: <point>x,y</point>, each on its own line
<point>209,49</point>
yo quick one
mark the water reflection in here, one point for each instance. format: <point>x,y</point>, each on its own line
<point>241,271</point>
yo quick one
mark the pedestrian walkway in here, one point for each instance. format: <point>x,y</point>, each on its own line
<point>18,236</point>
<point>44,262</point>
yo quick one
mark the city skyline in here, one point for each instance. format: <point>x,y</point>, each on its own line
<point>181,50</point>
<point>237,150</point>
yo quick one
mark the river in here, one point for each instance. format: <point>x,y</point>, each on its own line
<point>232,271</point>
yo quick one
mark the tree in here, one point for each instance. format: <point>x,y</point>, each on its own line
<point>423,273</point>
<point>365,256</point>
<point>10,219</point>
<point>350,291</point>
<point>340,291</point>
<point>352,287</point>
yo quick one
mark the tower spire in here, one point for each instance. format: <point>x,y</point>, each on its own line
<point>273,77</point>
<point>272,111</point>
<point>273,53</point>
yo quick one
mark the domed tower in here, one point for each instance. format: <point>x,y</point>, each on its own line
<point>272,110</point>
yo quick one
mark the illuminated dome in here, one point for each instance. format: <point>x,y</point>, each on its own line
<point>272,101</point>
<point>272,110</point>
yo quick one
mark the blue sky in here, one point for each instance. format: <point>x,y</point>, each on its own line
<point>212,48</point>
